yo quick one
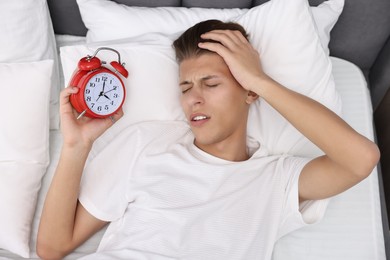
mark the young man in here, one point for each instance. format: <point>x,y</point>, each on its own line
<point>201,190</point>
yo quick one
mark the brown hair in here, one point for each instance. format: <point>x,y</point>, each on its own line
<point>186,46</point>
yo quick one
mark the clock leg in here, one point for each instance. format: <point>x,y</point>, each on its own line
<point>81,114</point>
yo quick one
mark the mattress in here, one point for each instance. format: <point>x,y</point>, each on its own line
<point>352,226</point>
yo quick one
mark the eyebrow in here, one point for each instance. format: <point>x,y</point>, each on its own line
<point>186,82</point>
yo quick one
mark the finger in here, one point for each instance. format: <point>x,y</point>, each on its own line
<point>240,41</point>
<point>224,34</point>
<point>65,105</point>
<point>228,38</point>
<point>115,117</point>
<point>214,47</point>
<point>118,115</point>
<point>66,92</point>
<point>240,37</point>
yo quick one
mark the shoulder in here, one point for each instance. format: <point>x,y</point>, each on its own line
<point>290,168</point>
<point>286,168</point>
<point>292,163</point>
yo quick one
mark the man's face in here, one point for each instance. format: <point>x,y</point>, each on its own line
<point>213,101</point>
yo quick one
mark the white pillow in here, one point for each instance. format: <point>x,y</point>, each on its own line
<point>292,54</point>
<point>325,16</point>
<point>24,143</point>
<point>284,34</point>
<point>27,35</point>
<point>107,20</point>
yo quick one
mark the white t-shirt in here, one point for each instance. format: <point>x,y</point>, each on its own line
<point>167,199</point>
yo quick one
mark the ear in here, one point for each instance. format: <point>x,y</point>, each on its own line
<point>252,96</point>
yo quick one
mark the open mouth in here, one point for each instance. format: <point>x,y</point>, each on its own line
<point>199,118</point>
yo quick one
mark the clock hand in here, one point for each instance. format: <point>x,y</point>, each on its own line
<point>107,97</point>
<point>110,90</point>
<point>102,92</point>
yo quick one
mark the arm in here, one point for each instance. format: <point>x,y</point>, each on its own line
<point>349,157</point>
<point>65,224</point>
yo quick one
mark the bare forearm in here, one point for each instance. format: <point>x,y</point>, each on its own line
<point>58,216</point>
<point>320,125</point>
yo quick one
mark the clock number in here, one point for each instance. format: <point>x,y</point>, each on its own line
<point>103,93</point>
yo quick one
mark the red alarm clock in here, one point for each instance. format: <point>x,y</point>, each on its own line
<point>101,90</point>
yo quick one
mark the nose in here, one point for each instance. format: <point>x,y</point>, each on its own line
<point>195,96</point>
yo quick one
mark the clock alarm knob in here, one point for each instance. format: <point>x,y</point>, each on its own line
<point>89,63</point>
<point>119,68</point>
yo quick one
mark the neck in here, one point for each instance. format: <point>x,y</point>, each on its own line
<point>231,151</point>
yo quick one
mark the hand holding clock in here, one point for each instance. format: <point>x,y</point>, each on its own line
<point>83,131</point>
<point>62,210</point>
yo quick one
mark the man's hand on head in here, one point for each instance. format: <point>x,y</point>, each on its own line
<point>240,56</point>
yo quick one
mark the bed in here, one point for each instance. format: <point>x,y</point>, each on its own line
<point>355,224</point>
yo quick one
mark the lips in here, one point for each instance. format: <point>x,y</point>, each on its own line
<point>199,119</point>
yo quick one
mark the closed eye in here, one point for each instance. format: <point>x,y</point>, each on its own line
<point>212,85</point>
<point>183,91</point>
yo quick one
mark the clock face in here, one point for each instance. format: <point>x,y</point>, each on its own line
<point>103,93</point>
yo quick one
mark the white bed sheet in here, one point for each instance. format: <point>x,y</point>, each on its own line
<point>352,226</point>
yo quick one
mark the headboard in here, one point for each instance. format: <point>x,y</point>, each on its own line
<point>359,35</point>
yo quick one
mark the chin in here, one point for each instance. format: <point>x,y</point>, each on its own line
<point>202,140</point>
